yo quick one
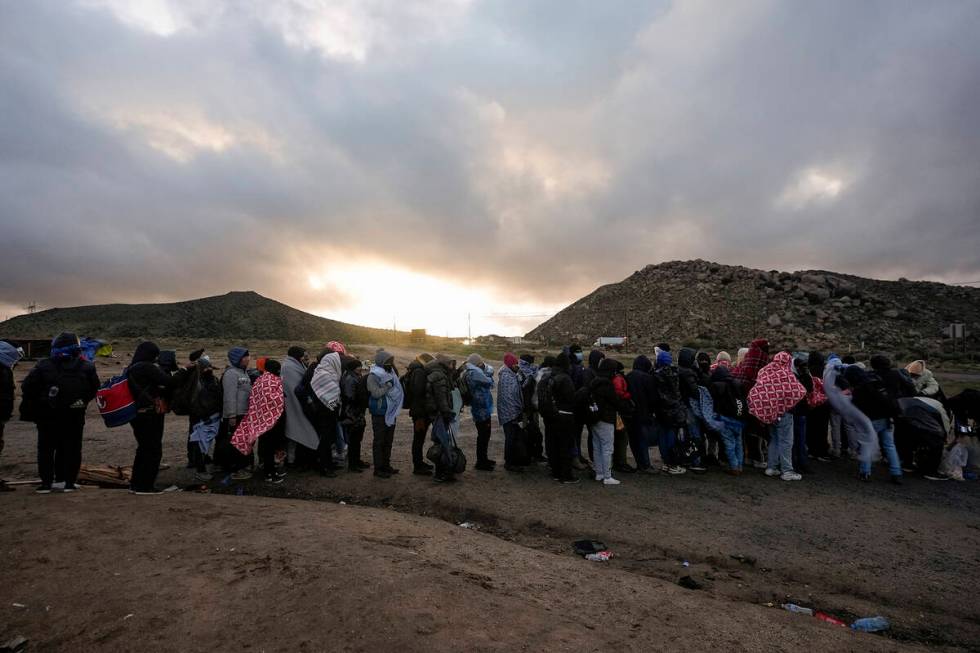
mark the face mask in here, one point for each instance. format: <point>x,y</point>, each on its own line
<point>579,357</point>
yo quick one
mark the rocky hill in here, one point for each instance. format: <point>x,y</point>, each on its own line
<point>236,315</point>
<point>712,305</point>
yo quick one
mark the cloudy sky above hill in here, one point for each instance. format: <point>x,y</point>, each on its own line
<point>380,160</point>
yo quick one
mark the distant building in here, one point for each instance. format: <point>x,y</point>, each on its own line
<point>418,336</point>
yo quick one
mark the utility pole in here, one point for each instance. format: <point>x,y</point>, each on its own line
<point>626,323</point>
<point>469,328</point>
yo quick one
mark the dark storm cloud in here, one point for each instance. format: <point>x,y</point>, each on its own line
<point>541,148</point>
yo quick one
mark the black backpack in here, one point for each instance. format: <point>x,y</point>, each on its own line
<point>186,394</point>
<point>69,388</point>
<point>310,403</point>
<point>546,397</point>
<point>463,386</point>
<point>406,382</point>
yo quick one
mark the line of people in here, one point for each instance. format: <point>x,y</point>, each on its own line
<point>774,413</point>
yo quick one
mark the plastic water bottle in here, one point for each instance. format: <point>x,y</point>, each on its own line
<point>792,607</point>
<point>871,625</point>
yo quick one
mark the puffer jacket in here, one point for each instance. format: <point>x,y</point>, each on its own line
<point>481,392</point>
<point>510,399</point>
<point>642,390</point>
<point>236,387</point>
<point>438,389</point>
<point>416,386</point>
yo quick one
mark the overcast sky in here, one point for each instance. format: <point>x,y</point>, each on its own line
<point>376,160</point>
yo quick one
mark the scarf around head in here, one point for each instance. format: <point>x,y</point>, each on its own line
<point>326,380</point>
<point>265,406</point>
<point>748,369</point>
<point>776,390</point>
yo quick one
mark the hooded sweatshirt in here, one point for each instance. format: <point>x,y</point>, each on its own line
<point>642,390</point>
<point>147,381</point>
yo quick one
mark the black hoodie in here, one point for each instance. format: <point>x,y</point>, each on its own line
<point>688,374</point>
<point>147,381</point>
<point>562,386</point>
<point>640,383</point>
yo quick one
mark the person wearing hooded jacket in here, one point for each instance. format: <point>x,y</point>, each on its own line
<point>354,406</point>
<point>302,438</point>
<point>751,359</point>
<point>731,405</point>
<point>478,377</point>
<point>639,425</point>
<point>818,421</point>
<point>603,393</point>
<point>151,388</point>
<point>771,400</point>
<point>560,427</point>
<point>527,374</point>
<point>438,406</point>
<point>510,410</point>
<point>577,373</point>
<point>385,403</point>
<point>415,389</point>
<point>689,380</point>
<point>236,386</point>
<point>670,412</point>
<point>9,356</point>
<point>56,393</point>
<point>924,380</point>
<point>873,396</point>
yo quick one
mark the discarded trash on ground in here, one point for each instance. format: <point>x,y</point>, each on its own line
<point>599,556</point>
<point>18,605</point>
<point>689,583</point>
<point>792,607</point>
<point>585,547</point>
<point>826,618</point>
<point>467,524</point>
<point>686,564</point>
<point>871,625</point>
<point>128,616</point>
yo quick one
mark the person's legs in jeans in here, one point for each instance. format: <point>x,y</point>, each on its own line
<point>420,426</point>
<point>639,445</point>
<point>482,441</point>
<point>781,444</point>
<point>886,437</point>
<point>666,439</point>
<point>835,432</point>
<point>731,436</point>
<point>603,438</point>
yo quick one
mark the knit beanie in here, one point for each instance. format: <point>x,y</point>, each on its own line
<point>510,360</point>
<point>235,356</point>
<point>475,360</point>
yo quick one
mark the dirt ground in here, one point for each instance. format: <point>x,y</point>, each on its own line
<point>393,568</point>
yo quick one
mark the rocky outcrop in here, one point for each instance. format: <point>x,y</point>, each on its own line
<point>718,306</point>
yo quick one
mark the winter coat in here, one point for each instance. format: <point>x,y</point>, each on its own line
<point>669,410</point>
<point>603,393</point>
<point>438,389</point>
<point>416,388</point>
<point>510,398</point>
<point>925,383</point>
<point>642,390</point>
<point>727,394</point>
<point>870,394</point>
<point>45,374</point>
<point>562,390</point>
<point>481,392</point>
<point>776,390</point>
<point>688,375</point>
<point>236,386</point>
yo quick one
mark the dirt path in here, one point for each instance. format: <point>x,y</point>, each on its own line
<point>102,570</point>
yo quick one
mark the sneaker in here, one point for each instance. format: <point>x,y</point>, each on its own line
<point>46,489</point>
<point>907,470</point>
<point>697,469</point>
<point>280,474</point>
<point>444,479</point>
<point>791,476</point>
<point>937,477</point>
<point>146,493</point>
<point>610,481</point>
<point>648,470</point>
<point>241,475</point>
<point>823,459</point>
<point>423,465</point>
<point>274,480</point>
<point>733,472</point>
<point>58,486</point>
<point>676,470</point>
<point>624,469</point>
<point>772,472</point>
<point>71,488</point>
<point>483,467</point>
<point>758,464</point>
<point>598,478</point>
<point>864,478</point>
<point>381,473</point>
<point>577,464</point>
<point>422,471</point>
<point>572,480</point>
<point>204,477</point>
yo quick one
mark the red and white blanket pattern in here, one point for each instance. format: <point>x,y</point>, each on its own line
<point>818,397</point>
<point>265,406</point>
<point>776,390</point>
